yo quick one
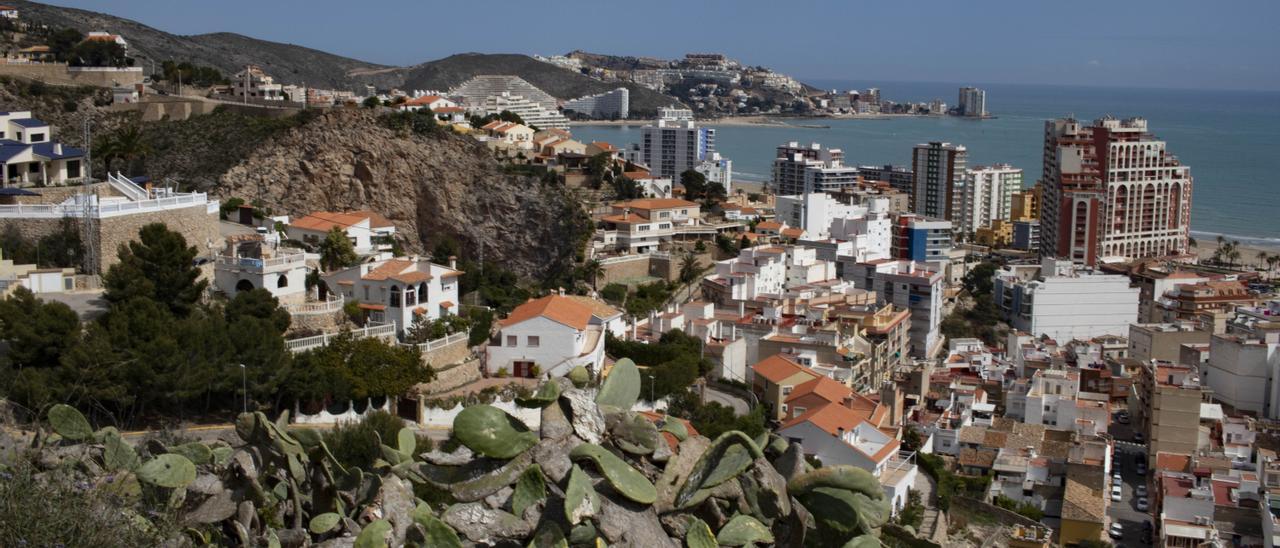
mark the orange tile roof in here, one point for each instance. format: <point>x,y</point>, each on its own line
<point>556,308</point>
<point>376,220</point>
<point>604,145</point>
<point>830,418</point>
<point>656,203</point>
<point>822,387</point>
<point>1173,461</point>
<point>368,306</point>
<point>769,225</point>
<point>414,277</point>
<point>636,175</point>
<point>387,270</point>
<point>778,367</point>
<point>793,232</point>
<point>324,221</point>
<point>448,110</point>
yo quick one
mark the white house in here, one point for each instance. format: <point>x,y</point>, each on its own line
<point>397,291</point>
<point>253,83</point>
<point>1066,302</point>
<point>548,336</point>
<point>369,232</point>
<point>432,102</point>
<point>518,135</point>
<point>639,226</point>
<point>8,12</point>
<point>31,156</point>
<point>38,280</point>
<point>248,264</point>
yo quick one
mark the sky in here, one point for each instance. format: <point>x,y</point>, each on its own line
<point>1138,43</point>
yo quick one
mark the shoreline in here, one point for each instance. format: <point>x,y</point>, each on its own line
<point>813,122</point>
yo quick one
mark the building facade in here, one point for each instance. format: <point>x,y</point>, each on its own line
<point>801,169</point>
<point>939,179</point>
<point>988,196</point>
<point>614,104</point>
<point>1112,190</point>
<point>675,144</point>
<point>973,102</point>
<point>1067,303</point>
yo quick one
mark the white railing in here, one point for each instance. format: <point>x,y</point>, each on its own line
<point>56,211</point>
<point>442,342</point>
<point>333,304</point>
<point>308,343</point>
<point>252,263</point>
<point>623,259</point>
<point>127,187</point>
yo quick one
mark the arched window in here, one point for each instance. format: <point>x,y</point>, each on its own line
<point>1175,205</point>
<point>422,292</point>
<point>395,296</point>
<point>282,281</point>
<point>244,285</point>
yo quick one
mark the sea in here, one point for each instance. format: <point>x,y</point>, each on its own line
<point>1231,140</point>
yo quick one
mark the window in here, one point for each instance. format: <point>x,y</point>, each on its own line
<point>799,411</point>
<point>395,296</point>
<point>37,137</point>
<point>511,340</point>
<point>366,292</point>
<point>35,167</point>
<point>282,281</point>
<point>73,166</point>
<point>786,391</point>
<point>534,340</point>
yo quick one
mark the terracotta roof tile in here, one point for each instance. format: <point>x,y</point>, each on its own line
<point>778,367</point>
<point>823,387</point>
<point>556,308</point>
<point>656,203</point>
<point>324,221</point>
<point>387,270</point>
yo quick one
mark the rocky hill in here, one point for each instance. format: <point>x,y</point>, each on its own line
<point>432,187</point>
<point>228,52</point>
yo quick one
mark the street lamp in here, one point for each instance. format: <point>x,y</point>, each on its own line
<point>244,384</point>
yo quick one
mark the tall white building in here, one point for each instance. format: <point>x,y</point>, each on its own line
<point>1244,372</point>
<point>533,113</point>
<point>973,102</point>
<point>675,144</point>
<point>610,104</point>
<point>988,196</point>
<point>910,285</point>
<point>718,169</point>
<point>798,169</point>
<point>478,88</point>
<point>1066,302</point>
<point>822,217</point>
<point>939,179</point>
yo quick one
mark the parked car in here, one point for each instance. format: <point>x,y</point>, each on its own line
<point>1141,491</point>
<point>1142,504</point>
<point>1142,469</point>
<point>1116,530</point>
<point>1115,493</point>
<point>1139,437</point>
<point>1116,479</point>
<point>1122,419</point>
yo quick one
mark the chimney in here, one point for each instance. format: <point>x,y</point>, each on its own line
<point>57,148</point>
<point>840,432</point>
<point>626,213</point>
<point>453,262</point>
<point>742,309</point>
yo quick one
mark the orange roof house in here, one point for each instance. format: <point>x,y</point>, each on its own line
<point>556,308</point>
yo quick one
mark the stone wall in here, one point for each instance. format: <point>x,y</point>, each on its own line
<point>447,355</point>
<point>199,227</point>
<point>453,377</point>
<point>311,324</point>
<point>619,271</point>
<point>60,74</point>
<point>177,109</point>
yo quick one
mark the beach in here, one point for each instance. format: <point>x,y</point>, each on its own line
<point>1205,248</point>
<point>757,120</point>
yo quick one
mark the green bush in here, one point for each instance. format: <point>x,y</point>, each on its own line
<point>356,444</point>
<point>51,509</point>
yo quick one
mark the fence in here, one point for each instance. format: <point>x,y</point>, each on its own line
<point>333,304</point>
<point>253,263</point>
<point>58,211</point>
<point>442,342</point>
<point>316,341</point>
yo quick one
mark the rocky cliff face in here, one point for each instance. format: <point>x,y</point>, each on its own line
<point>432,187</point>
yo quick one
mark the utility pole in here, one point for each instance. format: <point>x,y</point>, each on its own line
<point>244,382</point>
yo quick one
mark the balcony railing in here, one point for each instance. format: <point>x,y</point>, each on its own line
<point>442,342</point>
<point>382,331</point>
<point>257,264</point>
<point>56,211</point>
<point>333,304</point>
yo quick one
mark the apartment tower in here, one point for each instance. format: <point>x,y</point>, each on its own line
<point>939,179</point>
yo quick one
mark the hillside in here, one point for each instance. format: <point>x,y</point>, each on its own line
<point>228,52</point>
<point>445,73</point>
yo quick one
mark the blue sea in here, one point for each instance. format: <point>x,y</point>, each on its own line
<point>1231,140</point>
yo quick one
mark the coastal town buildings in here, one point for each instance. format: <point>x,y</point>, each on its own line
<point>973,102</point>
<point>921,239</point>
<point>478,89</point>
<point>901,178</point>
<point>32,157</point>
<point>609,105</point>
<point>1244,372</point>
<point>988,196</point>
<point>939,179</point>
<point>640,226</point>
<point>801,169</point>
<point>1167,406</point>
<point>548,337</point>
<point>369,232</point>
<point>253,83</point>
<point>673,144</point>
<point>1065,302</point>
<point>1112,192</point>
<point>398,290</point>
<point>908,285</point>
<point>531,112</point>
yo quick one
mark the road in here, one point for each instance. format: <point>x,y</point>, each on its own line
<point>739,405</point>
<point>1126,511</point>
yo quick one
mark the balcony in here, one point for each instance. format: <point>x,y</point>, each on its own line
<point>259,265</point>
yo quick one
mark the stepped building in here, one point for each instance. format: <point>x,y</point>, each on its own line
<point>477,89</point>
<point>1111,190</point>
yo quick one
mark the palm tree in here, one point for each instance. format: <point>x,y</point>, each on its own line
<point>591,270</point>
<point>1191,242</point>
<point>689,267</point>
<point>1262,258</point>
<point>1233,255</point>
<point>127,145</point>
<point>1272,261</point>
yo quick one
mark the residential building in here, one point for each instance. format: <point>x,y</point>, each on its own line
<point>397,291</point>
<point>1244,372</point>
<point>901,178</point>
<point>35,279</point>
<point>1026,235</point>
<point>614,104</point>
<point>8,12</point>
<point>104,36</point>
<point>548,337</point>
<point>822,216</point>
<point>368,232</point>
<point>813,168</point>
<point>775,377</point>
<point>988,196</point>
<point>253,83</point>
<point>999,233</point>
<point>908,285</point>
<point>1065,302</point>
<point>1167,407</point>
<point>1112,190</point>
<point>249,262</point>
<point>1084,505</point>
<point>640,226</point>
<point>1190,301</point>
<point>973,102</point>
<point>476,91</point>
<point>511,133</point>
<point>1025,203</point>
<point>674,144</point>
<point>921,239</point>
<point>531,112</point>
<point>32,157</point>
<point>938,187</point>
<point>717,169</point>
<point>1163,341</point>
<point>1056,401</point>
<point>434,103</point>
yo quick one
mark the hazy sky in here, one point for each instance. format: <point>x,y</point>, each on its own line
<point>1231,44</point>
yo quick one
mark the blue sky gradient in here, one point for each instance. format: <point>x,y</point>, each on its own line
<point>1173,44</point>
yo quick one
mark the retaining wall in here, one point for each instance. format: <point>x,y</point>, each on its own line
<point>60,74</point>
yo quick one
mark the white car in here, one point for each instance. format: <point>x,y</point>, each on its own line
<point>1116,479</point>
<point>1115,493</point>
<point>1142,504</point>
<point>1116,530</point>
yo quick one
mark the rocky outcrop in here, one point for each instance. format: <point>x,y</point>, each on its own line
<point>432,187</point>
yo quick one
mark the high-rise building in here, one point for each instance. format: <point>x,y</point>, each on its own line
<point>988,196</point>
<point>1111,189</point>
<point>921,240</point>
<point>973,102</point>
<point>901,178</point>
<point>675,144</point>
<point>939,179</point>
<point>610,104</point>
<point>531,112</point>
<point>801,169</point>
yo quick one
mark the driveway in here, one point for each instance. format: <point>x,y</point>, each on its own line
<point>86,304</point>
<point>738,405</point>
<point>1126,511</point>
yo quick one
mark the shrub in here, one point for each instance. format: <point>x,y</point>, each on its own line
<point>51,509</point>
<point>503,373</point>
<point>357,444</point>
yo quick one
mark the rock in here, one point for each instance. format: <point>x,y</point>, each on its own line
<point>500,498</point>
<point>292,538</point>
<point>770,490</point>
<point>458,457</point>
<point>625,523</point>
<point>677,470</point>
<point>791,463</point>
<point>206,484</point>
<point>553,456</point>
<point>587,420</point>
<point>485,525</point>
<point>245,514</point>
<point>481,486</point>
<point>397,505</point>
<point>245,462</point>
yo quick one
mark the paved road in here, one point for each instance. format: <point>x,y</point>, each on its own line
<point>87,304</point>
<point>739,405</point>
<point>1126,511</point>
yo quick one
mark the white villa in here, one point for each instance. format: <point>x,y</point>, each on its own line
<point>369,232</point>
<point>30,155</point>
<point>248,263</point>
<point>553,334</point>
<point>396,291</point>
<point>638,226</point>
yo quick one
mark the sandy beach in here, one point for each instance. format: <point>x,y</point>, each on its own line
<point>756,120</point>
<point>1205,247</point>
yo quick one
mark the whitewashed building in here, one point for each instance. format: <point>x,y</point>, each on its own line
<point>1066,302</point>
<point>369,232</point>
<point>248,264</point>
<point>396,291</point>
<point>548,337</point>
<point>988,196</point>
